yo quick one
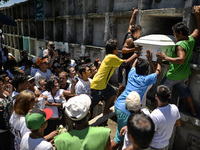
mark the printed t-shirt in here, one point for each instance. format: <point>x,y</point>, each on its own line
<point>83,87</point>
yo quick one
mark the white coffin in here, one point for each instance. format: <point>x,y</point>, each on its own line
<point>156,43</point>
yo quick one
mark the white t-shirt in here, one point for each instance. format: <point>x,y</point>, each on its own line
<point>164,119</point>
<point>28,143</point>
<point>126,139</point>
<point>18,128</point>
<point>39,74</point>
<point>83,87</point>
<point>56,99</point>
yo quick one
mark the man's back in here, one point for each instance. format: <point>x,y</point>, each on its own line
<point>164,119</point>
<point>89,138</point>
<point>105,71</point>
<point>136,82</point>
<point>29,143</point>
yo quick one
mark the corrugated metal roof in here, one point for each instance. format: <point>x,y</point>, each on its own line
<point>11,2</point>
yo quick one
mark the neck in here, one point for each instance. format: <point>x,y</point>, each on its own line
<point>85,78</point>
<point>183,38</point>
<point>54,92</point>
<point>35,135</point>
<point>63,85</point>
<point>162,104</point>
<point>82,126</point>
<point>43,69</point>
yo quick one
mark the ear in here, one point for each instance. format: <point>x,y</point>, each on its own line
<point>170,96</point>
<point>89,114</point>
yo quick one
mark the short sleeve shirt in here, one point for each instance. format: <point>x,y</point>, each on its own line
<point>55,99</point>
<point>105,71</point>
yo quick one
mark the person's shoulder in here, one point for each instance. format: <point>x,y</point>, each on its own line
<point>62,137</point>
<point>174,107</point>
<point>100,130</point>
<point>44,145</point>
<point>45,93</point>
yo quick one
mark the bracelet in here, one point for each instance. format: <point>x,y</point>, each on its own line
<point>158,70</point>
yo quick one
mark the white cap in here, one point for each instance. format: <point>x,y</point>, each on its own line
<point>133,102</point>
<point>10,54</point>
<point>77,107</point>
<point>45,52</point>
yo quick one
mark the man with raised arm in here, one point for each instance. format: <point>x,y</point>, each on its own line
<point>179,60</point>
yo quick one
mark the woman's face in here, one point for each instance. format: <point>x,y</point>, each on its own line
<point>43,84</point>
<point>56,85</point>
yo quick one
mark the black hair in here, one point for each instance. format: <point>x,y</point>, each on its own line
<point>141,128</point>
<point>163,93</point>
<point>142,67</point>
<point>181,27</point>
<point>111,45</point>
<point>82,69</point>
<point>50,84</point>
<point>87,60</point>
<point>67,69</point>
<point>18,78</point>
<point>135,28</point>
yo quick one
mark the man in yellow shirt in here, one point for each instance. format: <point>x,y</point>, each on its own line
<point>99,85</point>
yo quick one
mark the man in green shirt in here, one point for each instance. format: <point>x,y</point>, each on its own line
<point>82,137</point>
<point>179,61</point>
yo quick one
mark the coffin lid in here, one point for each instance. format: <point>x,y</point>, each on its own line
<point>156,39</point>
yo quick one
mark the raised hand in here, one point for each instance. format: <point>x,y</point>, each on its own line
<point>149,55</point>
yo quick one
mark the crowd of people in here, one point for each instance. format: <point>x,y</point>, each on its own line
<point>38,95</point>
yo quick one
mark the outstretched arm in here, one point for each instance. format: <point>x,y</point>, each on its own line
<point>196,32</point>
<point>176,60</point>
<point>127,46</point>
<point>128,61</point>
<point>149,58</point>
<point>132,19</point>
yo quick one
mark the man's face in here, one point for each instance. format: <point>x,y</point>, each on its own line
<point>87,71</point>
<point>94,70</point>
<point>2,87</point>
<point>43,65</point>
<point>72,73</point>
<point>62,78</point>
<point>137,34</point>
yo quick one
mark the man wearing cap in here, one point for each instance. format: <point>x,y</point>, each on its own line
<point>42,62</point>
<point>83,136</point>
<point>138,80</point>
<point>36,121</point>
<point>134,105</point>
